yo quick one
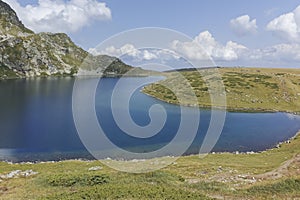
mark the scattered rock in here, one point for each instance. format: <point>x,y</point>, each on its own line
<point>193,181</point>
<point>138,160</point>
<point>12,174</point>
<point>220,168</point>
<point>18,173</point>
<point>203,172</point>
<point>242,176</point>
<point>96,168</point>
<point>28,173</point>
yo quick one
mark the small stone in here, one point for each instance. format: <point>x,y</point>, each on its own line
<point>28,173</point>
<point>220,168</point>
<point>96,168</point>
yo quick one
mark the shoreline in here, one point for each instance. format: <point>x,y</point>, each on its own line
<point>277,146</point>
<point>227,109</point>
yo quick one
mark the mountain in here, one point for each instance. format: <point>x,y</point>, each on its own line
<point>26,54</point>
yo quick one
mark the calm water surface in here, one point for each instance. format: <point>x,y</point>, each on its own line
<point>36,122</point>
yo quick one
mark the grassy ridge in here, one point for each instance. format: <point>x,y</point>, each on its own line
<point>251,89</point>
<point>273,174</point>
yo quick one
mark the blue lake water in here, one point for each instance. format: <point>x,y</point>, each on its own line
<point>36,122</point>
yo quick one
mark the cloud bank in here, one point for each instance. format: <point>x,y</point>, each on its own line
<point>205,47</point>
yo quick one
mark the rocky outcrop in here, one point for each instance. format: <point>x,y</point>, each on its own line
<point>26,54</point>
<point>10,25</point>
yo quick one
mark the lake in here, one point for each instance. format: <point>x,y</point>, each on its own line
<point>36,122</point>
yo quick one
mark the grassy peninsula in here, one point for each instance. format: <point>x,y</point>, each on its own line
<point>246,89</point>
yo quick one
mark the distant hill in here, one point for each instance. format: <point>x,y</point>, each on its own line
<point>26,54</point>
<point>190,69</point>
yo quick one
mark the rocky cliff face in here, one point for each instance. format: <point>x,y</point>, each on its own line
<point>26,54</point>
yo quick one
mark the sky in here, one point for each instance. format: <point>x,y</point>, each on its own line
<point>232,32</point>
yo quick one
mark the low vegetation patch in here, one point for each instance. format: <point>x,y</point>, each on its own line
<point>285,186</point>
<point>67,180</point>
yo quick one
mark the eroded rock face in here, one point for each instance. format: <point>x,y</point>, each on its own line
<point>26,54</point>
<point>41,54</point>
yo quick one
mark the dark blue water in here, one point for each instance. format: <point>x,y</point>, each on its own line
<point>36,122</point>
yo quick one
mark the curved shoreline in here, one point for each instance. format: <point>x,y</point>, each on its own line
<point>229,109</point>
<point>277,146</point>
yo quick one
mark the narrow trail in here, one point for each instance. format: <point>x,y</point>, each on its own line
<point>282,170</point>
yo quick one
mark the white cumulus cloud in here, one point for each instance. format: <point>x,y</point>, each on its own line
<point>287,26</point>
<point>243,25</point>
<point>60,15</point>
<point>204,46</point>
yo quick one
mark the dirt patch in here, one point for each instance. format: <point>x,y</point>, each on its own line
<point>3,189</point>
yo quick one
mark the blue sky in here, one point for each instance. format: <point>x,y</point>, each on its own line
<point>217,20</point>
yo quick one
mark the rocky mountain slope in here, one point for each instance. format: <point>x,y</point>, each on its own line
<point>26,54</point>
